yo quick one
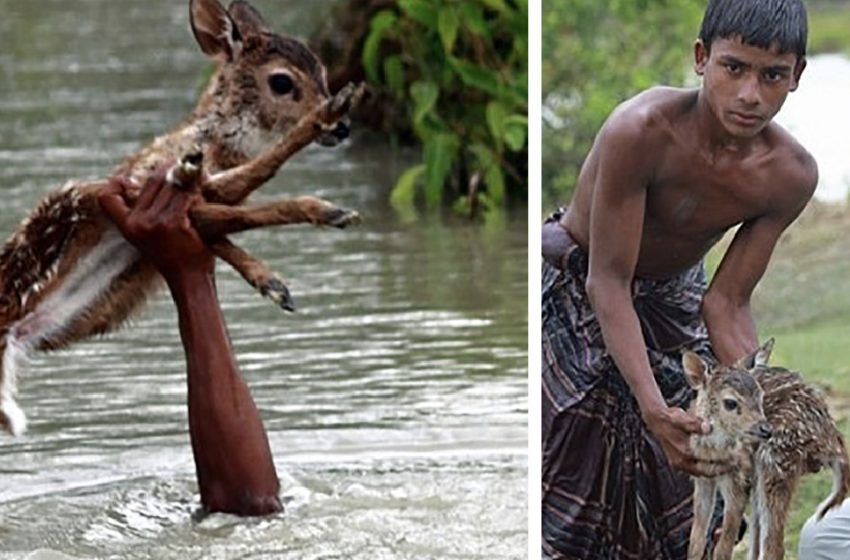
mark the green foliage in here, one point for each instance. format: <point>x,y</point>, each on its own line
<point>597,53</point>
<point>460,69</point>
<point>829,23</point>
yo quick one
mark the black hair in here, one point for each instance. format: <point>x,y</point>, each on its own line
<point>760,23</point>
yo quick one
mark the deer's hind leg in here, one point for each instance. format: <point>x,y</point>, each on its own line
<point>775,498</point>
<point>216,220</point>
<point>255,272</point>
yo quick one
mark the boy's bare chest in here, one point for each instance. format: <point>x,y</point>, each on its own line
<point>693,198</point>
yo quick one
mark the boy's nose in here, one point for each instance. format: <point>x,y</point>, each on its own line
<point>749,93</point>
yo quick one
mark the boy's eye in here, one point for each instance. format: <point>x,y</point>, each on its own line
<point>733,68</point>
<point>730,404</point>
<point>773,76</point>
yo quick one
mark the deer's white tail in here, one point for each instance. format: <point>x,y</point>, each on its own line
<point>11,414</point>
<point>840,482</point>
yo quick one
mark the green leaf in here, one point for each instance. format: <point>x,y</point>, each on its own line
<point>404,193</point>
<point>476,76</point>
<point>381,22</point>
<point>447,26</point>
<point>488,165</point>
<point>394,75</point>
<point>472,19</point>
<point>440,153</point>
<point>497,5</point>
<point>424,95</point>
<point>515,129</point>
<point>496,113</point>
<point>422,11</point>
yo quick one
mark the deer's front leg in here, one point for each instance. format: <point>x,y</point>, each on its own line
<point>256,272</point>
<point>734,502</point>
<point>215,220</point>
<point>704,492</point>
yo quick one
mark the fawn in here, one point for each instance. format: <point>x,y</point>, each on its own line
<point>773,428</point>
<point>67,273</point>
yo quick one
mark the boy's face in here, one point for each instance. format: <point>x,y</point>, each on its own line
<point>745,86</point>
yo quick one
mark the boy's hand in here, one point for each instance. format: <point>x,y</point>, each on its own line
<point>158,224</point>
<point>673,428</point>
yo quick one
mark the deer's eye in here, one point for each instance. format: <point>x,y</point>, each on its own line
<point>730,404</point>
<point>281,84</point>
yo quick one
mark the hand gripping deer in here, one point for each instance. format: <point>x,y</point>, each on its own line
<point>67,273</point>
<point>774,428</point>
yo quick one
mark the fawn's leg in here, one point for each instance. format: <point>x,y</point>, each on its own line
<point>705,490</point>
<point>776,500</point>
<point>215,220</point>
<point>234,185</point>
<point>255,271</point>
<point>734,501</point>
<point>757,516</point>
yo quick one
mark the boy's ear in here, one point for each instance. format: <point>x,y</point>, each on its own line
<point>700,57</point>
<point>798,72</point>
<point>215,30</point>
<point>696,370</point>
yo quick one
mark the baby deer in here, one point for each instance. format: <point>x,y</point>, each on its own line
<point>773,428</point>
<point>67,273</point>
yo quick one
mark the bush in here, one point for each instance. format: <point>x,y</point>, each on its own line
<point>597,53</point>
<point>459,67</point>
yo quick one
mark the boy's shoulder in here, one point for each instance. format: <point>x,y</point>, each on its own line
<point>792,166</point>
<point>649,113</point>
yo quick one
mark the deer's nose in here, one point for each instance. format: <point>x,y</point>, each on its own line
<point>341,130</point>
<point>764,430</point>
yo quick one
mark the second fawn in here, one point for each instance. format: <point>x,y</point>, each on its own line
<point>67,273</point>
<point>773,428</point>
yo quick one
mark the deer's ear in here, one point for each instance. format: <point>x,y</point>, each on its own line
<point>214,29</point>
<point>248,19</point>
<point>763,353</point>
<point>696,370</point>
<point>757,357</point>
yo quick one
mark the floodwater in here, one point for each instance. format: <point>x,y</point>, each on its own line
<point>818,115</point>
<point>395,399</point>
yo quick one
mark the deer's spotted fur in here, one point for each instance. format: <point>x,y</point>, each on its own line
<point>781,430</point>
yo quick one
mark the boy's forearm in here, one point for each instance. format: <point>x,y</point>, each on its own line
<point>731,328</point>
<point>236,472</point>
<point>624,340</point>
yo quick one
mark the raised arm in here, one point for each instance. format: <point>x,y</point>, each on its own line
<point>617,213</point>
<point>726,305</point>
<point>233,461</point>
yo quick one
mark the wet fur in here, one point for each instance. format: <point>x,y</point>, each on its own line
<point>67,274</point>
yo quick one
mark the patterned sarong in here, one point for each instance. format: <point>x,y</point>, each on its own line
<point>608,491</point>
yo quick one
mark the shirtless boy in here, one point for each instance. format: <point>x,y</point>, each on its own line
<point>624,292</point>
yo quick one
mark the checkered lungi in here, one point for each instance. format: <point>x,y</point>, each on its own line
<point>608,491</point>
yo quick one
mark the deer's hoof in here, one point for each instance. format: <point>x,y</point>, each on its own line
<point>347,97</point>
<point>276,290</point>
<point>341,218</point>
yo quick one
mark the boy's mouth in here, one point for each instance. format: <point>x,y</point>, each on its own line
<point>746,119</point>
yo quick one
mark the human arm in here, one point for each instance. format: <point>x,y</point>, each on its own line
<point>233,461</point>
<point>726,304</point>
<point>624,169</point>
